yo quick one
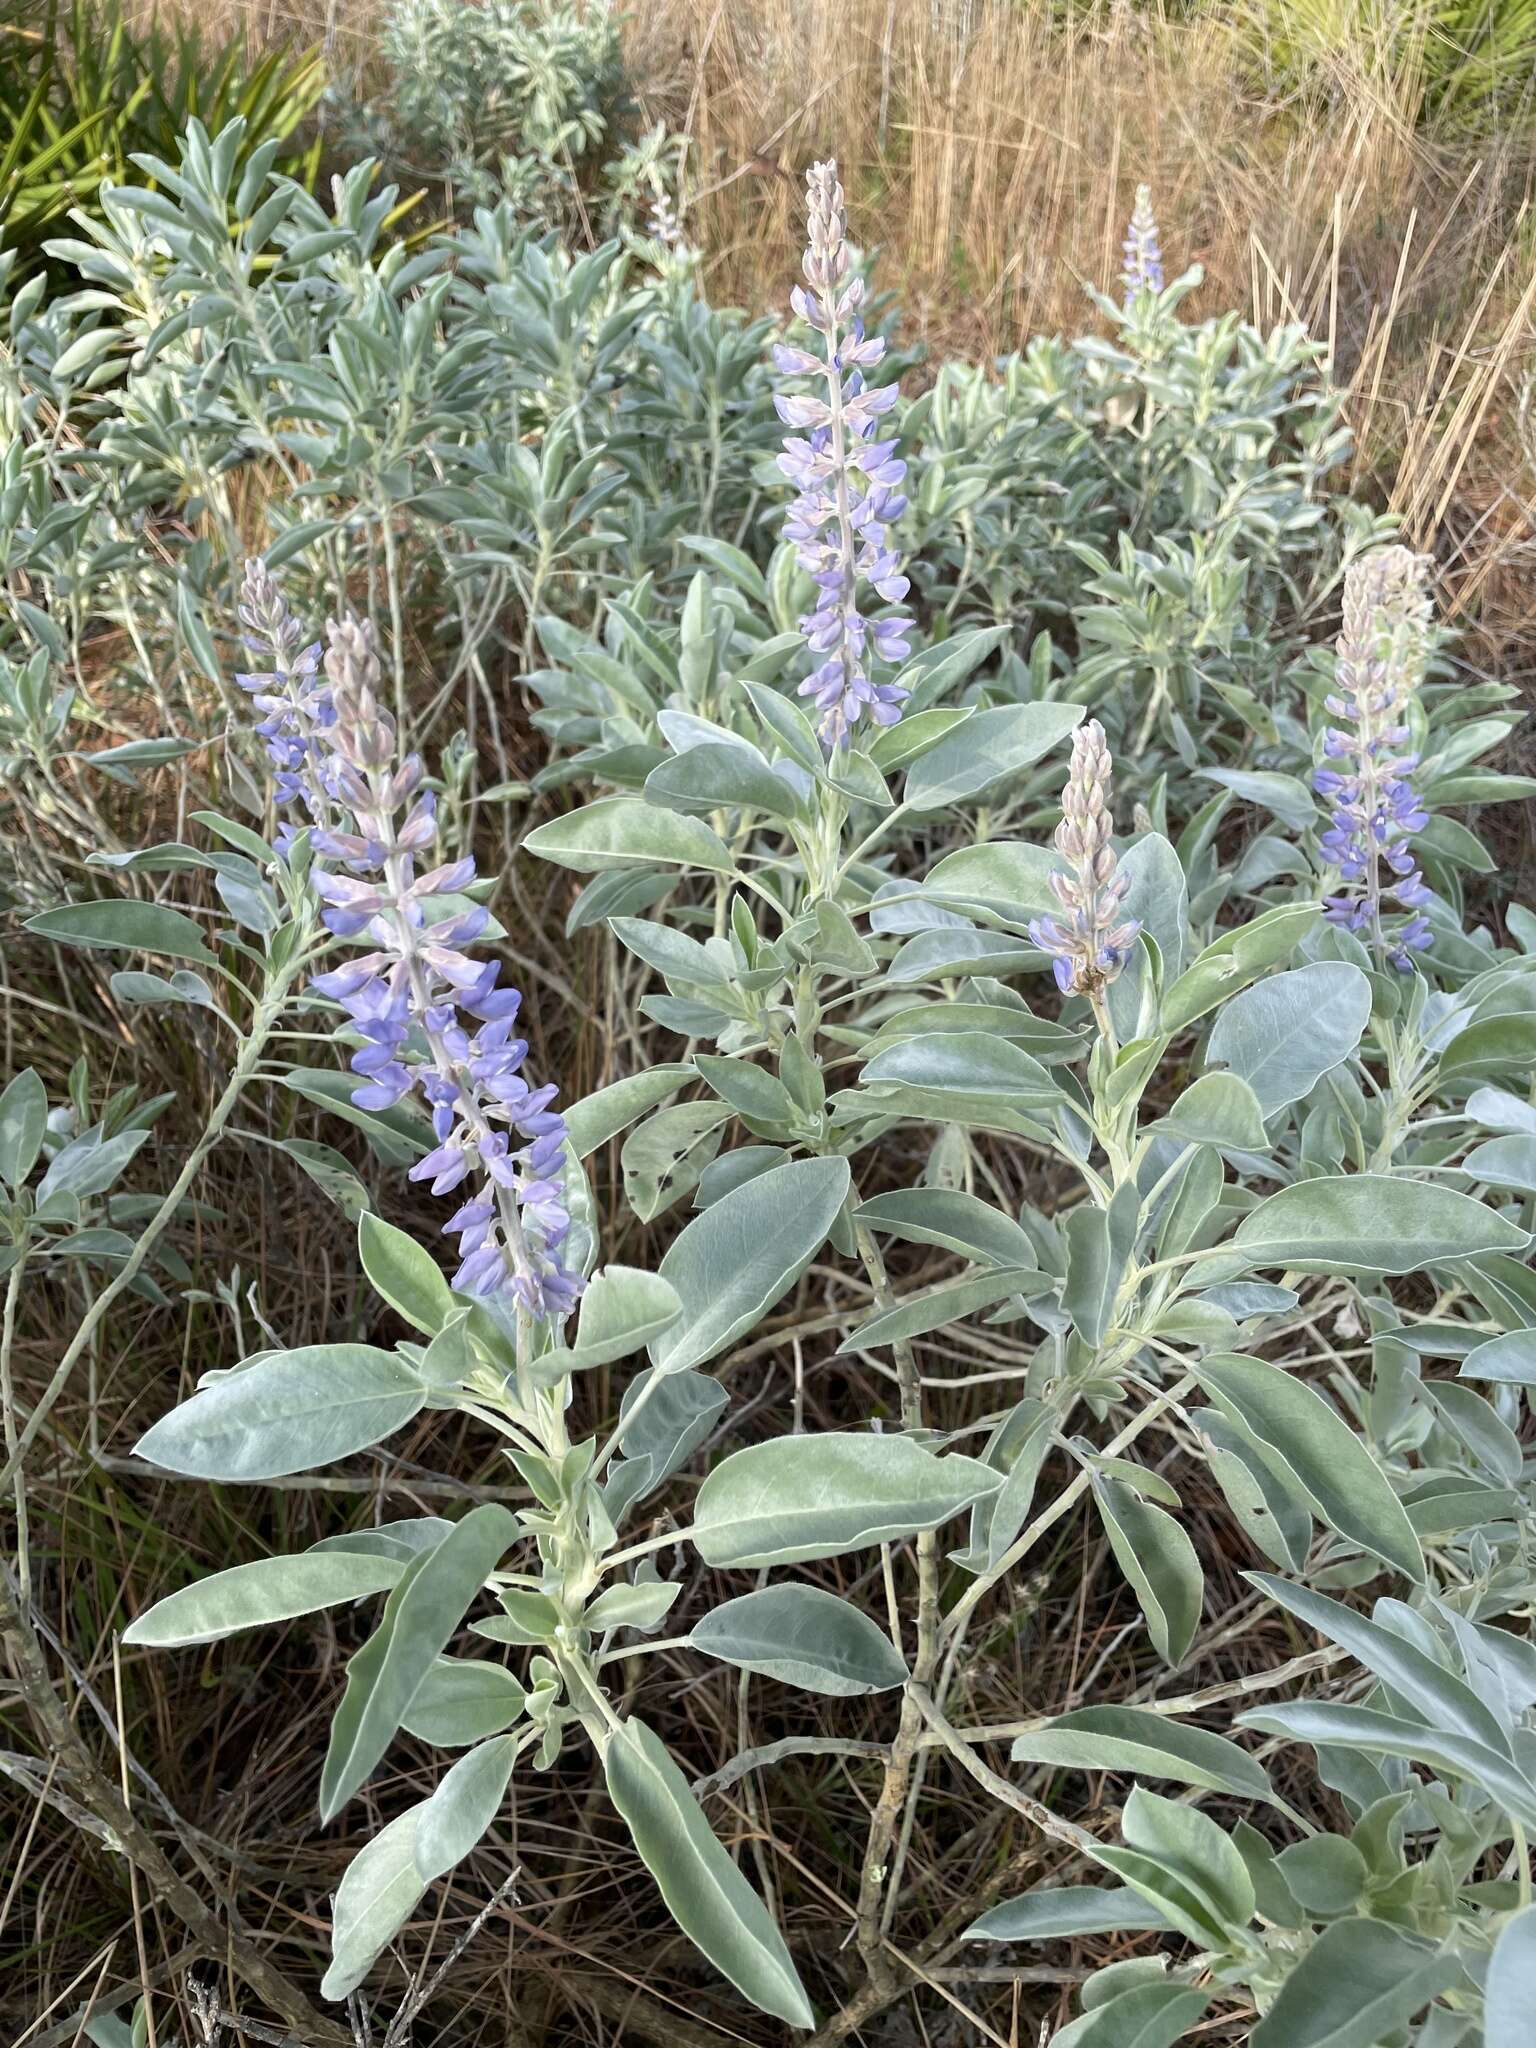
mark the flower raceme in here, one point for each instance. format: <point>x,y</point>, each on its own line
<point>431,1016</point>
<point>1373,807</point>
<point>1143,253</point>
<point>1090,942</point>
<point>295,696</point>
<point>848,480</point>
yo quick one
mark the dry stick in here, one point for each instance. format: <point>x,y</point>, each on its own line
<point>894,1791</point>
<point>227,1937</point>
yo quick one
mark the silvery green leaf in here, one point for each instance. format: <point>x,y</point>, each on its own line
<point>401,1539</point>
<point>253,1595</point>
<point>332,1172</point>
<point>1510,1359</point>
<point>1325,1874</point>
<point>945,952</point>
<point>735,1260</point>
<point>705,1893</point>
<point>88,1165</point>
<point>1219,1110</point>
<point>733,1170</point>
<point>1285,1032</point>
<point>953,1219</point>
<point>988,747</point>
<point>130,986</point>
<point>1501,1111</point>
<point>933,671</point>
<point>420,1616</point>
<point>712,778</point>
<point>1286,796</point>
<point>1414,1676</point>
<point>1006,878</point>
<point>1370,1733</point>
<point>466,1801</point>
<point>622,1309</point>
<point>795,1498</point>
<point>663,1157</point>
<point>916,734</point>
<point>1047,1040</point>
<point>755,1094</point>
<point>1099,1243</point>
<point>659,1427</point>
<point>1232,961</point>
<point>1508,1162</point>
<point>1146,1744</point>
<point>1151,2014</point>
<point>1370,1222</point>
<point>964,1076</point>
<point>601,1116</point>
<point>641,1606</point>
<point>397,1137</point>
<point>289,1412</point>
<point>789,726</point>
<point>1317,1453</point>
<point>1185,1863</point>
<point>1158,899</point>
<point>616,892</point>
<point>377,1895</point>
<point>124,926</point>
<point>23,1121</point>
<point>1492,1045</point>
<point>851,770</point>
<point>803,1637</point>
<point>462,1700</point>
<point>1474,1423</point>
<point>527,1617</point>
<point>1193,1211</point>
<point>1509,1995</point>
<point>950,1302</point>
<point>1357,1985</point>
<point>1018,1450</point>
<point>1274,1514</point>
<point>1074,1909</point>
<point>1159,1560</point>
<point>404,1273</point>
<point>685,962</point>
<point>626,832</point>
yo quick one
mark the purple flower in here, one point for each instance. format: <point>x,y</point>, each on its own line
<point>1143,255</point>
<point>848,481</point>
<point>431,1018</point>
<point>1090,942</point>
<point>1373,808</point>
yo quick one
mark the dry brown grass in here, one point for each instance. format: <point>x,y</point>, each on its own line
<point>991,151</point>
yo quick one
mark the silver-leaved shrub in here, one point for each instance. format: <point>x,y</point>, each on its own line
<point>1015,891</point>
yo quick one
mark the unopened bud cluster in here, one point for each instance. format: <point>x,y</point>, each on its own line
<point>1090,941</point>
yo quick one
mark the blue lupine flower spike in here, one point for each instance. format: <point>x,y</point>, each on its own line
<point>292,692</point>
<point>847,478</point>
<point>431,1016</point>
<point>1090,942</point>
<point>1143,254</point>
<point>1374,809</point>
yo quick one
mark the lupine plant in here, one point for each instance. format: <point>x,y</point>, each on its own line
<point>1121,1106</point>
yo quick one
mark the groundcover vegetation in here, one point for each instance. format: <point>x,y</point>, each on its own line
<point>818,1101</point>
